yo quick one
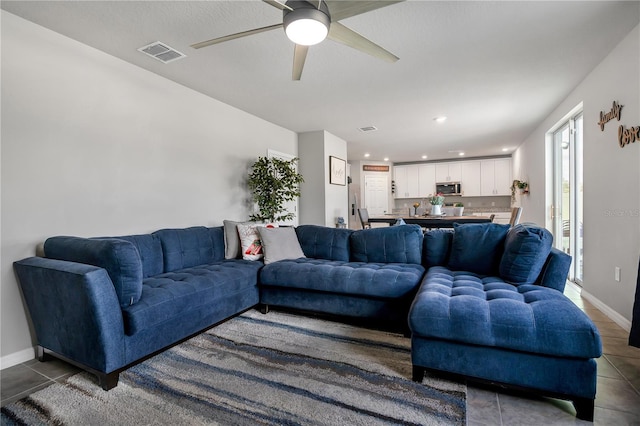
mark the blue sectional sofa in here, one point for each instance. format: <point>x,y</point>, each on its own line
<point>476,299</point>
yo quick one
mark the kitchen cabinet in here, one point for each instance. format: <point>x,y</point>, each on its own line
<point>495,178</point>
<point>406,179</point>
<point>478,177</point>
<point>427,180</point>
<point>449,172</point>
<point>470,178</point>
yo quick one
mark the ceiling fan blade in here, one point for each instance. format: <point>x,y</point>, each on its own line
<point>340,9</point>
<point>299,56</point>
<point>342,34</point>
<point>277,4</point>
<point>235,36</point>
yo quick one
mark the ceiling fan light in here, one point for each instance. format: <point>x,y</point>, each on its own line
<point>306,32</point>
<point>306,25</point>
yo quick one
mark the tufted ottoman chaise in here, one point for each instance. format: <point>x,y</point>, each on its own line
<point>501,326</point>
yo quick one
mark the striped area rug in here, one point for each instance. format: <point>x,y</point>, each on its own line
<point>259,369</point>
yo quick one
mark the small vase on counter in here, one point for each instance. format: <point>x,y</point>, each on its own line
<point>436,209</point>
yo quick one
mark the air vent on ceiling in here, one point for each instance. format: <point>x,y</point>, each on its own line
<point>161,52</point>
<point>368,129</point>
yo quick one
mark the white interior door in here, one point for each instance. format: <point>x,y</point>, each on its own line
<point>376,194</point>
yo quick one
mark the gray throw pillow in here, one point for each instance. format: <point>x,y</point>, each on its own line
<point>279,244</point>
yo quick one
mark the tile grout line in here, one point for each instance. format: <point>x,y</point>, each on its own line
<point>620,372</point>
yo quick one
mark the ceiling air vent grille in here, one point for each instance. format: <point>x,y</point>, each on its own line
<point>368,129</point>
<point>161,52</point>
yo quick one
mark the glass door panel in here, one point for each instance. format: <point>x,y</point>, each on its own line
<point>568,193</point>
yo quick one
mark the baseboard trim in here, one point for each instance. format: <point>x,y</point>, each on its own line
<point>17,358</point>
<point>613,315</point>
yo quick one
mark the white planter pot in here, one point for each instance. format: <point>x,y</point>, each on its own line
<point>436,210</point>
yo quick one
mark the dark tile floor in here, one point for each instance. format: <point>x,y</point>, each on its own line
<point>617,400</point>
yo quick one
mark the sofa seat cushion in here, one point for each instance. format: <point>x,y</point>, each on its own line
<point>483,310</point>
<point>169,296</point>
<point>380,280</point>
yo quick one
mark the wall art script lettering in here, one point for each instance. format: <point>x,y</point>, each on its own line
<point>627,136</point>
<point>606,117</point>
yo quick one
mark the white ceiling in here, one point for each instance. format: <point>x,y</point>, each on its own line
<point>495,69</point>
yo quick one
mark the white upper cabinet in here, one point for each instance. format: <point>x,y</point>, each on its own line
<point>406,179</point>
<point>477,177</point>
<point>495,177</point>
<point>427,180</point>
<point>449,172</point>
<point>470,180</point>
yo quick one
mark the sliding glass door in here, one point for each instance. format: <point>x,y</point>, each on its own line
<point>567,209</point>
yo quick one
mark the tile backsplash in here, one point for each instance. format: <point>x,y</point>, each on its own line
<point>471,204</point>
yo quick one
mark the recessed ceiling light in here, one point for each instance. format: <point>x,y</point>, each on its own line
<point>440,119</point>
<point>505,149</point>
<point>367,155</point>
<point>424,157</point>
<point>386,158</point>
<point>461,154</point>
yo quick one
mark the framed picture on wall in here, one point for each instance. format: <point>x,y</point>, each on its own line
<point>337,171</point>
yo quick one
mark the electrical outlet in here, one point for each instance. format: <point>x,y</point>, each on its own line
<point>617,274</point>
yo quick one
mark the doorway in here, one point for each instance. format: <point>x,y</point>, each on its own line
<point>376,194</point>
<point>568,190</point>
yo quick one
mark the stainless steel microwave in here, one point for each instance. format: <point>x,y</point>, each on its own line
<point>449,188</point>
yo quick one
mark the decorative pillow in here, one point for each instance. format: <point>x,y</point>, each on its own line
<point>477,247</point>
<point>232,247</point>
<point>526,249</point>
<point>119,257</point>
<point>250,241</point>
<point>279,244</point>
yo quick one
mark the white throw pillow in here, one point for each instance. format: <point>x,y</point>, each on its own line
<point>250,240</point>
<point>279,244</point>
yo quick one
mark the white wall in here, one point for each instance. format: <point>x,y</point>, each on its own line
<point>92,146</point>
<point>611,177</point>
<point>321,203</point>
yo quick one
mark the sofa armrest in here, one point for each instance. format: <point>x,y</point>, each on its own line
<point>555,271</point>
<point>74,310</point>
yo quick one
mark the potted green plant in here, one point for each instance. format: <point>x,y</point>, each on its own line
<point>458,208</point>
<point>518,184</point>
<point>436,202</point>
<point>274,182</point>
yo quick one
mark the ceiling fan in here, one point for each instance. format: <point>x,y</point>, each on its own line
<point>309,22</point>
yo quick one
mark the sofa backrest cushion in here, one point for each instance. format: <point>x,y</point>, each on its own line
<point>393,244</point>
<point>187,247</point>
<point>526,249</point>
<point>436,248</point>
<point>118,257</point>
<point>217,240</point>
<point>150,251</point>
<point>477,247</point>
<point>322,242</point>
